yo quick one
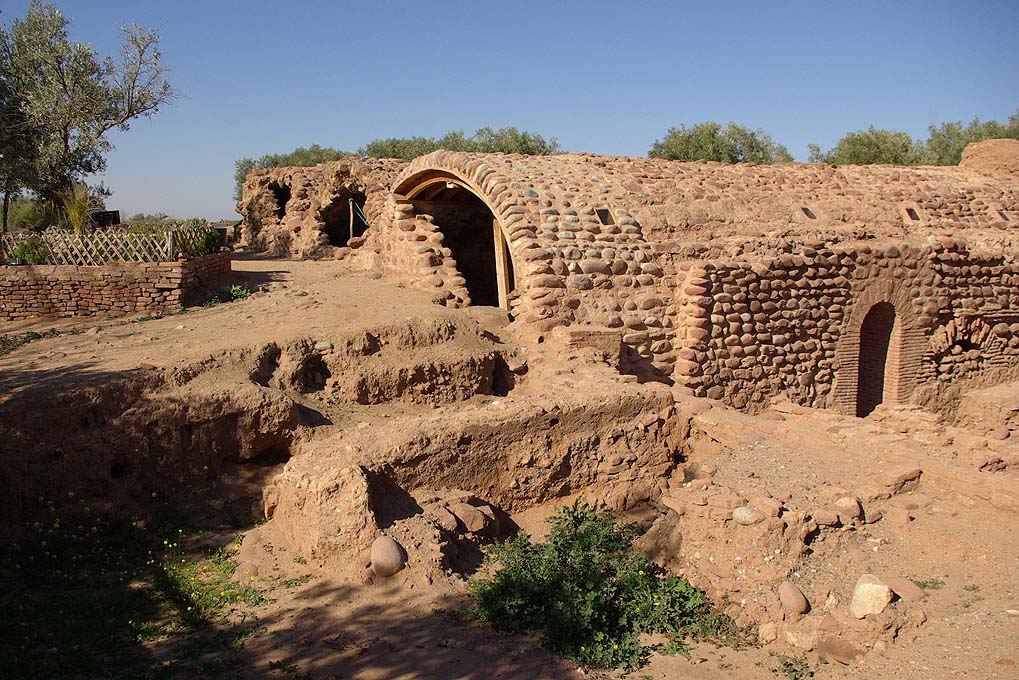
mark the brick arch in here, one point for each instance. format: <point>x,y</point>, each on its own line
<point>510,207</point>
<point>905,345</point>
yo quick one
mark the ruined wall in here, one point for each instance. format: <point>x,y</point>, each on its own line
<point>288,211</point>
<point>619,243</point>
<point>115,289</point>
<point>793,325</point>
<point>570,263</point>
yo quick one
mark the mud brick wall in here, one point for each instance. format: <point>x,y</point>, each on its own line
<point>115,289</point>
<point>802,323</point>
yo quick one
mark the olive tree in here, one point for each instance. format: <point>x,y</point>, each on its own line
<point>71,97</point>
<point>946,142</point>
<point>871,146</point>
<point>710,141</point>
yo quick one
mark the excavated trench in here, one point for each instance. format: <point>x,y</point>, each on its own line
<point>422,407</point>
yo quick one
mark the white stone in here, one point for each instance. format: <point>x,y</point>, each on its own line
<point>870,596</point>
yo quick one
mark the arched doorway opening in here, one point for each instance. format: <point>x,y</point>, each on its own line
<point>281,192</point>
<point>875,339</point>
<point>471,232</point>
<point>340,219</point>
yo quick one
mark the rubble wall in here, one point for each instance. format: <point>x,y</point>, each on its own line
<point>296,226</point>
<point>115,289</point>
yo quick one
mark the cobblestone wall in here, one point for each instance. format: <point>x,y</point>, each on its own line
<point>792,325</point>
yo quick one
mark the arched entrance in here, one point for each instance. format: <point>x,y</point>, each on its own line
<point>875,339</point>
<point>470,230</point>
<point>340,219</point>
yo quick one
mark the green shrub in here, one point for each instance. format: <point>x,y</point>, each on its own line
<point>32,250</point>
<point>78,205</point>
<point>589,592</point>
<point>210,242</point>
<point>27,214</point>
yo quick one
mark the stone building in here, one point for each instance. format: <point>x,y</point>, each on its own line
<point>842,287</point>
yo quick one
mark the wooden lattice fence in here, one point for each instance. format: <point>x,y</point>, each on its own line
<point>102,246</point>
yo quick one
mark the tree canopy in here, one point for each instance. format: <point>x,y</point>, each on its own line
<point>710,141</point>
<point>505,140</point>
<point>300,157</point>
<point>944,144</point>
<point>61,98</point>
<point>484,140</point>
<point>870,146</point>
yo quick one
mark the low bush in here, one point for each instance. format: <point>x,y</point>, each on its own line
<point>31,250</point>
<point>590,593</point>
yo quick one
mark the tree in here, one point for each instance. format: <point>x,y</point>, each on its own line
<point>487,140</point>
<point>945,143</point>
<point>72,97</point>
<point>484,140</point>
<point>871,146</point>
<point>17,149</point>
<point>709,141</point>
<point>299,157</point>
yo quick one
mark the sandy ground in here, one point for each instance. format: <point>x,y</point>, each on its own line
<point>322,628</point>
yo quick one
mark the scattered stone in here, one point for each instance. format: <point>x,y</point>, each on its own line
<point>746,515</point>
<point>829,623</point>
<point>905,589</point>
<point>842,651</point>
<point>767,632</point>
<point>870,596</point>
<point>771,507</point>
<point>826,518</point>
<point>802,634</point>
<point>898,516</point>
<point>445,519</point>
<point>473,519</point>
<point>792,598</point>
<point>902,478</point>
<point>387,556</point>
<point>1000,434</point>
<point>848,509</point>
<point>323,346</point>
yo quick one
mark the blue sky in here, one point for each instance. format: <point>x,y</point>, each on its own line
<point>605,77</point>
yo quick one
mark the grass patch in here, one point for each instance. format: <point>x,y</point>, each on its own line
<point>930,584</point>
<point>590,593</point>
<point>231,294</point>
<point>793,667</point>
<point>9,343</point>
<point>85,596</point>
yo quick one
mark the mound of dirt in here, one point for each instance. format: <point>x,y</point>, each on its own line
<point>992,156</point>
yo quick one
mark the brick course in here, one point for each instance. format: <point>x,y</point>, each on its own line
<point>115,289</point>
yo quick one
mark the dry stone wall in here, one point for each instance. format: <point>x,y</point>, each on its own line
<point>116,289</point>
<point>793,325</point>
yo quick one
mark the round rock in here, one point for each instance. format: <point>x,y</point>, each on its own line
<point>792,598</point>
<point>746,515</point>
<point>387,556</point>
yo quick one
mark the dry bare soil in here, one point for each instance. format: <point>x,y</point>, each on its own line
<point>183,433</point>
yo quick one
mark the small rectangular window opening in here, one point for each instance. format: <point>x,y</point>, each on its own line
<point>912,214</point>
<point>604,216</point>
<point>808,212</point>
<point>1004,216</point>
